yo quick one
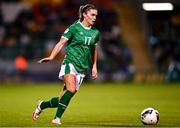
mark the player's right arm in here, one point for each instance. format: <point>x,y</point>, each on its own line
<point>55,50</point>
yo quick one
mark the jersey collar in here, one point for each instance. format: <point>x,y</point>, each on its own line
<point>84,26</point>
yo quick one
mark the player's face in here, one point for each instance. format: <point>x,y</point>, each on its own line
<point>90,16</point>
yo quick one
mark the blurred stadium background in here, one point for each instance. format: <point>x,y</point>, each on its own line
<point>135,44</point>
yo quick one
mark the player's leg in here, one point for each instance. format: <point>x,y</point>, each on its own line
<point>73,80</point>
<point>62,92</point>
<point>70,82</point>
<point>52,103</point>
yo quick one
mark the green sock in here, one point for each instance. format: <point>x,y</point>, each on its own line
<point>63,103</point>
<point>52,103</point>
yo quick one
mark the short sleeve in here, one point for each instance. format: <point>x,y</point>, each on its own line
<point>68,33</point>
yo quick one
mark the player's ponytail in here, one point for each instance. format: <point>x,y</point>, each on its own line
<point>84,9</point>
<point>81,12</point>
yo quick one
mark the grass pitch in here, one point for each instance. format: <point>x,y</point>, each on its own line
<point>95,105</point>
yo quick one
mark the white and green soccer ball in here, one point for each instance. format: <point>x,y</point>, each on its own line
<point>150,116</point>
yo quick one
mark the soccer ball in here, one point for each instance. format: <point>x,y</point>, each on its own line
<point>149,116</point>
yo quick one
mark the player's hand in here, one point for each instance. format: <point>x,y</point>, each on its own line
<point>47,59</point>
<point>94,73</point>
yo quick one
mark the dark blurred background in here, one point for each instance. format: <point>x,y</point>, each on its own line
<point>135,44</point>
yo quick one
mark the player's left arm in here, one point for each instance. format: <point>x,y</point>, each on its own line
<point>94,67</point>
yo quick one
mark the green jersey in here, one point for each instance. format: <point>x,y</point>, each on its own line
<point>80,46</point>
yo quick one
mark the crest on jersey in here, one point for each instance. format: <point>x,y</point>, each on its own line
<point>93,35</point>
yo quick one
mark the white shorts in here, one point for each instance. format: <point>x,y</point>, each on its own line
<point>69,69</point>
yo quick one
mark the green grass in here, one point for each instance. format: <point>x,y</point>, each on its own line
<point>95,105</point>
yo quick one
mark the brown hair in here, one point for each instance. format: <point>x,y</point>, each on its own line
<point>84,9</point>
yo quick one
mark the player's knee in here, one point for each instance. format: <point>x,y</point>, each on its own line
<point>72,89</point>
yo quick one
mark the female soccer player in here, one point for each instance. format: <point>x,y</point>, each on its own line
<point>81,38</point>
